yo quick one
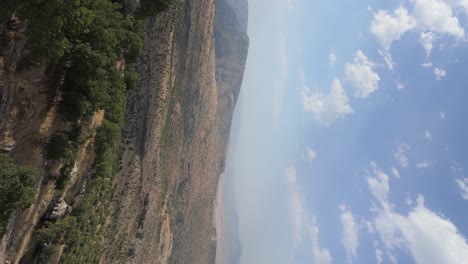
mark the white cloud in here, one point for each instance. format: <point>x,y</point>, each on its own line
<point>408,200</point>
<point>463,184</point>
<point>350,232</point>
<point>390,27</point>
<point>431,18</point>
<point>303,225</point>
<point>378,185</point>
<point>427,39</point>
<point>395,173</point>
<point>311,154</point>
<point>388,59</point>
<point>400,155</point>
<point>437,16</point>
<point>457,4</point>
<point>427,64</point>
<point>378,255</point>
<point>400,86</point>
<point>331,59</point>
<point>442,115</point>
<point>320,255</point>
<point>439,73</point>
<point>423,164</point>
<point>296,208</point>
<point>369,227</point>
<point>427,135</point>
<point>361,74</point>
<point>429,237</point>
<point>327,108</point>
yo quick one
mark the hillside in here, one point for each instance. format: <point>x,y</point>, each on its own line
<point>232,44</point>
<point>241,9</point>
<point>130,175</point>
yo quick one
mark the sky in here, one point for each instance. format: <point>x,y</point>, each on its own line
<point>351,145</point>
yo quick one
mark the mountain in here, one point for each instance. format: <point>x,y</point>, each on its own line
<point>231,48</point>
<point>231,42</point>
<point>241,9</point>
<point>131,177</point>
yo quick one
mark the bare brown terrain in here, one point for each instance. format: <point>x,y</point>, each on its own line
<point>177,149</point>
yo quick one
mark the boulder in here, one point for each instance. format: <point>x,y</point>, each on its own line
<point>60,210</point>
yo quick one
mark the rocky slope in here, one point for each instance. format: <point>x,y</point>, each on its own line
<point>174,143</point>
<point>172,158</point>
<point>28,118</point>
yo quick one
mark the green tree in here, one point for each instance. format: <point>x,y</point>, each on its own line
<point>16,192</point>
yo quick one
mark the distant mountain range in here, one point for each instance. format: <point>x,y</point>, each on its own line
<point>231,48</point>
<point>241,9</point>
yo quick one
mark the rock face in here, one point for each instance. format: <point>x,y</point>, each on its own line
<point>27,117</point>
<point>60,210</point>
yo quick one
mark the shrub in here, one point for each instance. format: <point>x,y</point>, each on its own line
<point>57,147</point>
<point>16,189</point>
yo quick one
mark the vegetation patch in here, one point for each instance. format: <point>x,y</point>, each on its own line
<point>94,43</point>
<point>16,189</point>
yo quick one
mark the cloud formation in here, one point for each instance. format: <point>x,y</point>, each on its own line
<point>437,16</point>
<point>303,225</point>
<point>327,108</point>
<point>378,255</point>
<point>388,27</point>
<point>320,255</point>
<point>431,18</point>
<point>395,173</point>
<point>423,164</point>
<point>439,73</point>
<point>400,155</point>
<point>427,135</point>
<point>296,208</point>
<point>311,154</point>
<point>429,237</point>
<point>400,86</point>
<point>427,39</point>
<point>350,232</point>
<point>463,185</point>
<point>378,185</point>
<point>361,75</point>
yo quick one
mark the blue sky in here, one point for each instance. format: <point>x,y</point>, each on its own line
<point>352,143</point>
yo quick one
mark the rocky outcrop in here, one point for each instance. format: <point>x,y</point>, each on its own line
<point>59,210</point>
